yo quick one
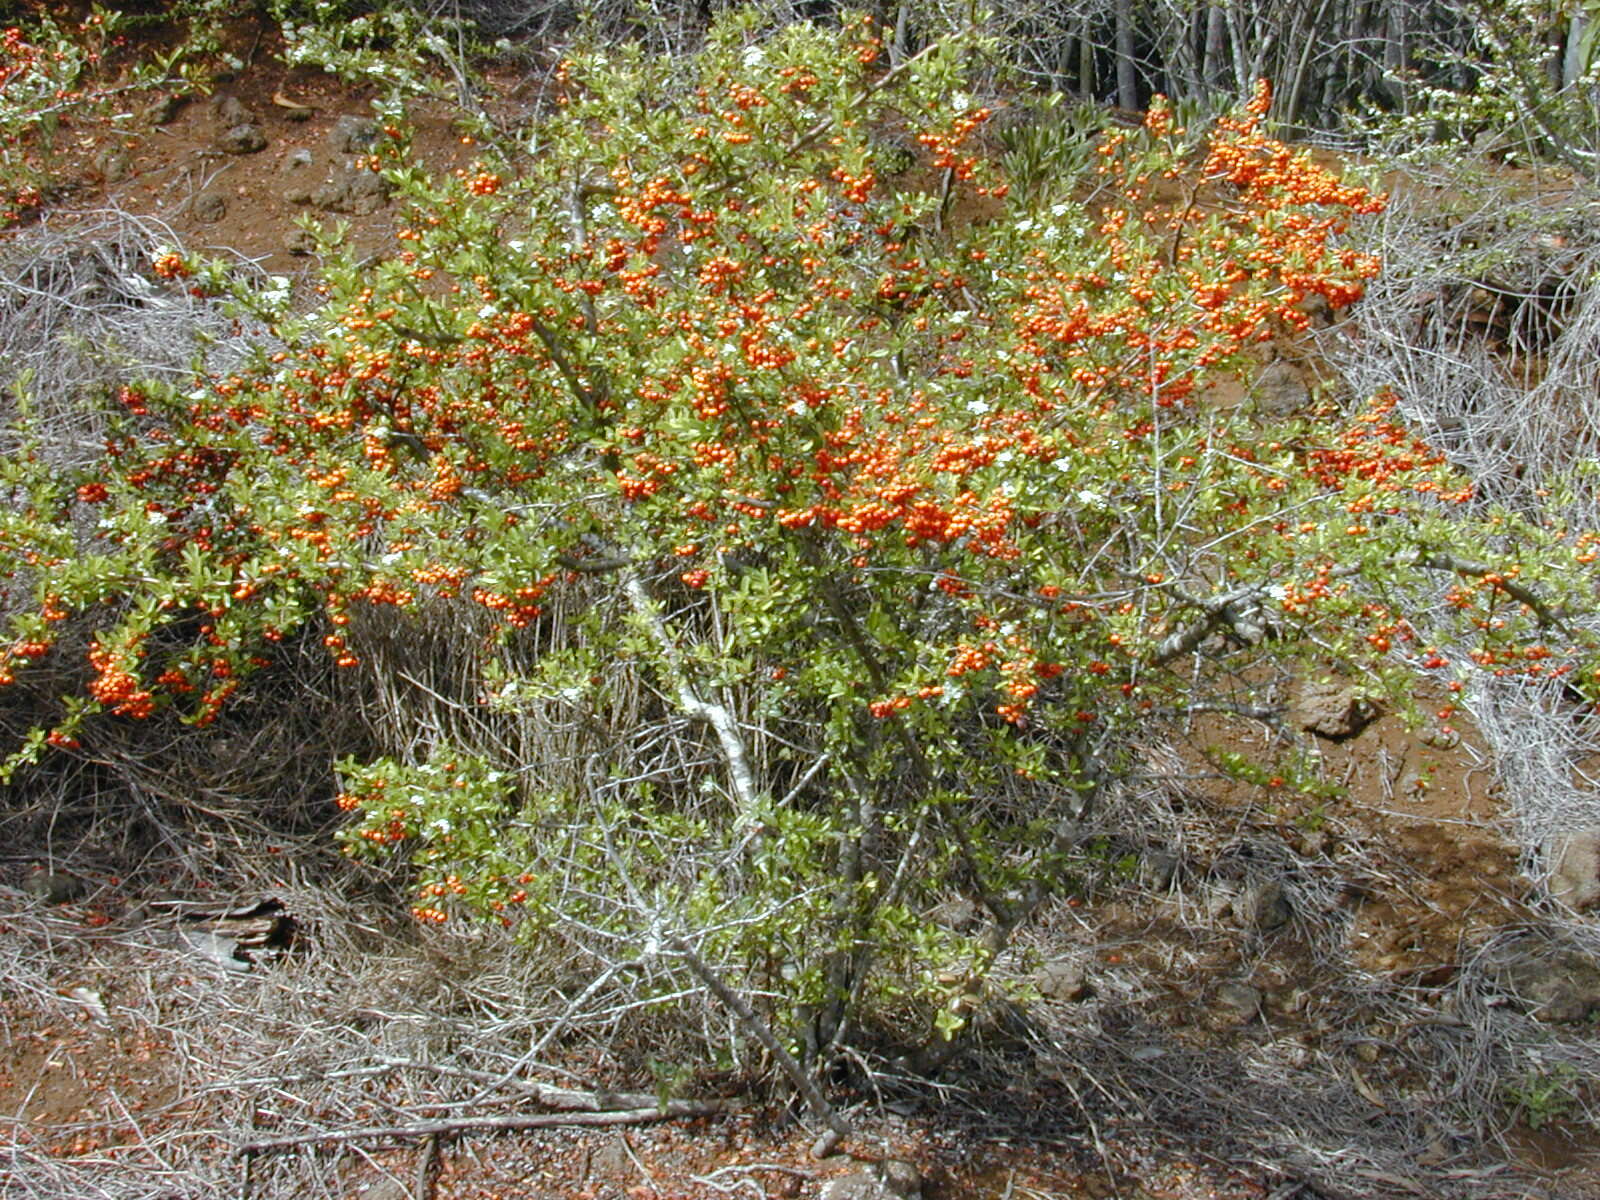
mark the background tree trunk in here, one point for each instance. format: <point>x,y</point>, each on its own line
<point>1086,79</point>
<point>1127,68</point>
<point>1394,50</point>
<point>1212,64</point>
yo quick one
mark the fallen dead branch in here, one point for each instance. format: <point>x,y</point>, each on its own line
<point>672,1109</point>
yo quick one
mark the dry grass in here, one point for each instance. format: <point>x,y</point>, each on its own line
<point>1346,1083</point>
<point>81,314</point>
<point>1486,323</point>
<point>367,1021</point>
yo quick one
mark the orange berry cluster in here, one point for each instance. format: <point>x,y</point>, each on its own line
<point>117,685</point>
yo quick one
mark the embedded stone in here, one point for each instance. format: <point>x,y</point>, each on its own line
<point>229,112</point>
<point>353,135</point>
<point>1233,1005</point>
<point>163,110</point>
<point>242,139</point>
<point>210,206</point>
<point>53,887</point>
<point>1281,390</point>
<point>359,192</point>
<point>1575,868</point>
<point>891,1179</point>
<point>1332,709</point>
<point>1264,907</point>
<point>114,164</point>
<point>959,914</point>
<point>1558,984</point>
<point>1062,979</point>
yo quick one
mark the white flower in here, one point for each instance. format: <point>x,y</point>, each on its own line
<point>487,311</point>
<point>1091,499</point>
<point>1062,464</point>
<point>753,57</point>
<point>977,407</point>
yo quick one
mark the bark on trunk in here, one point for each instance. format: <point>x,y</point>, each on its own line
<point>1127,70</point>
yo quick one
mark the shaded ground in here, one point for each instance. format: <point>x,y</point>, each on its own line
<point>138,1064</point>
<point>129,1049</point>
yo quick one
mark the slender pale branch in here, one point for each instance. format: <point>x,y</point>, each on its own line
<point>741,776</point>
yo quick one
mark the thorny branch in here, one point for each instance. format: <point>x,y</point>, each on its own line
<point>838,1128</point>
<point>1237,609</point>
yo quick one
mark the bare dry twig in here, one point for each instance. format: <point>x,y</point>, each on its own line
<point>671,1110</point>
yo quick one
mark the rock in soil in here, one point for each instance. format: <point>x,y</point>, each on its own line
<point>1316,307</point>
<point>1233,1005</point>
<point>352,135</point>
<point>300,181</point>
<point>1062,979</point>
<point>891,1179</point>
<point>242,139</point>
<point>358,192</point>
<point>611,1162</point>
<point>959,914</point>
<point>1575,868</point>
<point>113,163</point>
<point>229,112</point>
<point>1263,907</point>
<point>1280,390</point>
<point>1157,870</point>
<point>53,887</point>
<point>1332,709</point>
<point>1558,984</point>
<point>210,206</point>
<point>163,110</point>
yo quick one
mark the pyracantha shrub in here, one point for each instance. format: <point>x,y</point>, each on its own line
<point>910,496</point>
